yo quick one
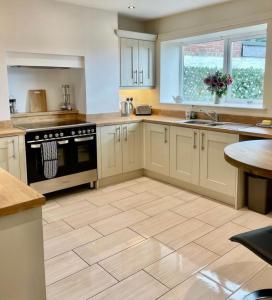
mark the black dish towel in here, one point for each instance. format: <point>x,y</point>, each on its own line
<point>49,152</point>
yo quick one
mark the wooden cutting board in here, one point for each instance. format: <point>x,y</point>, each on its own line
<point>37,100</point>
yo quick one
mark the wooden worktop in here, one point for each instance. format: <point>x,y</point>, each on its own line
<point>11,131</point>
<point>254,157</point>
<point>15,196</point>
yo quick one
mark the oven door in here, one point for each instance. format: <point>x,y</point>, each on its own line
<point>84,153</point>
<point>34,160</point>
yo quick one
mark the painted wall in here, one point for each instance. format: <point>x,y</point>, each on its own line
<point>220,17</point>
<point>49,27</point>
<point>130,24</point>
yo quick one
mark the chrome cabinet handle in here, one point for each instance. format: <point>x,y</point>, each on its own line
<point>118,134</point>
<point>136,77</point>
<point>35,146</point>
<point>125,133</point>
<point>165,135</point>
<point>84,139</point>
<point>65,142</point>
<point>141,80</point>
<point>195,136</point>
<point>13,149</point>
<point>202,141</point>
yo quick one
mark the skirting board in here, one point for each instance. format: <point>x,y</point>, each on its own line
<point>64,182</point>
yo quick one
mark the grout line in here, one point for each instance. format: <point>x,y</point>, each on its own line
<point>146,272</point>
<point>98,263</point>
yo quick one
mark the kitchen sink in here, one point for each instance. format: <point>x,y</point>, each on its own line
<point>203,122</point>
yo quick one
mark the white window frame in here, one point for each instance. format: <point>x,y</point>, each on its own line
<point>227,65</point>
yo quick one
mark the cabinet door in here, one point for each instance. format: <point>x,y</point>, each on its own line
<point>157,148</point>
<point>9,155</point>
<point>146,63</point>
<point>184,154</point>
<point>215,173</point>
<point>129,62</point>
<point>111,151</point>
<point>132,147</point>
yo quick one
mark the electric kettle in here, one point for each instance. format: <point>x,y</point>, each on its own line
<point>126,107</point>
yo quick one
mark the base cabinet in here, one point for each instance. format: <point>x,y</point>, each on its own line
<point>215,173</point>
<point>120,149</point>
<point>157,148</point>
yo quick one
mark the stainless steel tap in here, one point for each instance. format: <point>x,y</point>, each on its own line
<point>213,116</point>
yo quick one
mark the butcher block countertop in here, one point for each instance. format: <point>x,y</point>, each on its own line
<point>15,196</point>
<point>10,131</point>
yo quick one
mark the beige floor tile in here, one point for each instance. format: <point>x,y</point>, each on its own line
<point>180,265</point>
<point>119,221</point>
<point>158,206</point>
<point>54,229</point>
<point>253,220</point>
<point>197,287</point>
<point>195,207</point>
<point>157,224</point>
<point>62,212</point>
<point>49,204</point>
<point>163,190</point>
<point>184,233</point>
<point>219,215</point>
<point>92,215</point>
<point>106,198</point>
<point>139,286</point>
<point>119,186</point>
<point>108,246</point>
<point>81,285</point>
<point>134,201</point>
<point>134,259</point>
<point>62,266</point>
<point>234,268</point>
<point>218,240</point>
<point>69,241</point>
<point>143,179</point>
<point>186,195</point>
<point>142,187</point>
<point>262,280</point>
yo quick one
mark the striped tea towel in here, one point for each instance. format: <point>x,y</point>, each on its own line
<point>49,152</point>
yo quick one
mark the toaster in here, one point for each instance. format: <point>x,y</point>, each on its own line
<point>143,110</point>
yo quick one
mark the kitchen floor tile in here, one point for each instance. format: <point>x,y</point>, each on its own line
<point>195,207</point>
<point>54,229</point>
<point>139,286</point>
<point>184,233</point>
<point>186,195</point>
<point>234,268</point>
<point>119,186</point>
<point>157,224</point>
<point>81,285</point>
<point>134,201</point>
<point>109,197</point>
<point>163,190</point>
<point>62,212</point>
<point>218,240</point>
<point>49,204</point>
<point>62,266</point>
<point>69,241</point>
<point>219,215</point>
<point>143,179</point>
<point>197,287</point>
<point>108,245</point>
<point>180,265</point>
<point>262,280</point>
<point>119,221</point>
<point>158,206</point>
<point>134,259</point>
<point>92,215</point>
<point>142,187</point>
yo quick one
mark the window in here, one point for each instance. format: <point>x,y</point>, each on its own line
<point>241,52</point>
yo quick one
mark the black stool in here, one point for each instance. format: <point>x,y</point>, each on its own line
<point>258,241</point>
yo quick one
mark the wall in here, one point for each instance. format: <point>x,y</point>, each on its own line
<point>125,23</point>
<point>49,27</point>
<point>20,80</point>
<point>219,17</point>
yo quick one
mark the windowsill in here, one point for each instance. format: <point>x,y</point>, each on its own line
<point>223,105</point>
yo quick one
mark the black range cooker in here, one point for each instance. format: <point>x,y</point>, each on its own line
<point>76,154</point>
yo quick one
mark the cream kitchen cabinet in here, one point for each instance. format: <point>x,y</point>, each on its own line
<point>157,148</point>
<point>120,149</point>
<point>184,154</point>
<point>215,173</point>
<point>9,155</point>
<point>137,63</point>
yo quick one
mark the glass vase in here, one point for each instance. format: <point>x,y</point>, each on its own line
<point>217,99</point>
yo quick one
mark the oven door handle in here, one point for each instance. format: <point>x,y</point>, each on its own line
<point>35,146</point>
<point>84,139</point>
<point>65,142</point>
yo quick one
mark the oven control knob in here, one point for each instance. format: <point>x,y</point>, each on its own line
<point>79,132</point>
<point>45,136</point>
<point>56,135</point>
<point>37,137</point>
<point>92,130</point>
<point>83,131</point>
<point>73,133</point>
<point>50,135</point>
<point>88,130</point>
<point>61,134</point>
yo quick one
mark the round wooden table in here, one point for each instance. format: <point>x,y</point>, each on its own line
<point>254,157</point>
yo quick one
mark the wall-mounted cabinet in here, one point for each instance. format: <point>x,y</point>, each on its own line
<point>137,60</point>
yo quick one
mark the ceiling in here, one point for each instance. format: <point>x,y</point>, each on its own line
<point>146,9</point>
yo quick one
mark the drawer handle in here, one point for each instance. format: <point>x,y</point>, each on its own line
<point>13,149</point>
<point>202,141</point>
<point>195,136</point>
<point>118,134</point>
<point>125,133</point>
<point>165,135</point>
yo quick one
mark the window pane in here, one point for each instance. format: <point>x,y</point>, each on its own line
<point>199,61</point>
<point>248,66</point>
